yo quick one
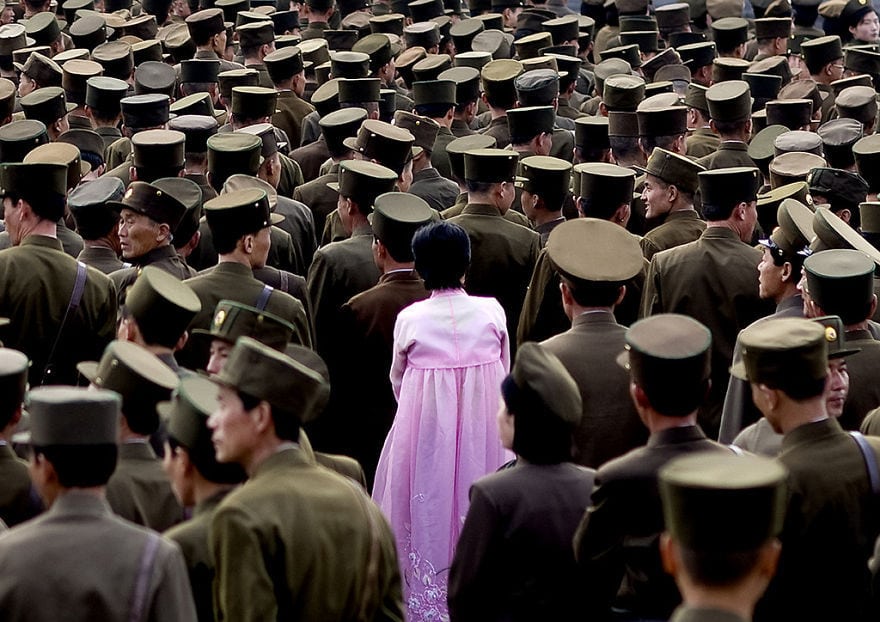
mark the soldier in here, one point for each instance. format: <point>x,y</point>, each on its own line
<point>702,140</point>
<point>503,255</point>
<point>97,223</point>
<point>138,490</point>
<point>540,87</point>
<point>339,514</point>
<point>544,182</point>
<point>197,129</point>
<point>435,99</point>
<point>37,72</point>
<point>499,94</point>
<point>718,267</point>
<point>617,542</point>
<point>467,94</point>
<point>730,109</point>
<point>317,13</point>
<point>594,260</point>
<point>670,185</point>
<point>286,69</point>
<point>428,184</point>
<point>256,41</point>
<point>103,96</point>
<point>48,105</point>
<point>722,567</point>
<point>367,321</point>
<point>39,284</point>
<point>139,113</point>
<point>19,500</point>
<point>824,59</point>
<point>208,33</point>
<point>772,35</point>
<point>198,480</point>
<point>70,563</point>
<point>531,130</point>
<point>591,140</point>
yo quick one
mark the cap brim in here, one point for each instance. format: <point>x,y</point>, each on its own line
<point>164,409</point>
<point>275,218</point>
<point>89,369</point>
<point>623,359</point>
<point>351,143</point>
<point>333,185</point>
<point>70,106</point>
<point>84,168</point>
<point>738,370</point>
<point>417,151</point>
<point>842,353</point>
<point>18,66</point>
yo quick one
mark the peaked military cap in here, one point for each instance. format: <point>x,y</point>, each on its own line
<point>18,138</point>
<point>240,212</point>
<point>233,320</point>
<point>42,69</point>
<point>158,147</point>
<point>838,138</point>
<point>47,104</point>
<point>68,416</point>
<point>490,165</point>
<point>162,305</point>
<point>363,181</point>
<point>145,111</point>
<point>547,177</point>
<point>795,229</point>
<point>149,200</point>
<point>527,122</point>
<point>395,219</point>
<point>589,249</point>
<point>61,153</point>
<point>197,129</point>
<point>458,147</point>
<point>842,188</point>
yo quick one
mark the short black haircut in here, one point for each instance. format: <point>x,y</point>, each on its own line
<point>590,154</point>
<point>205,461</point>
<point>664,142</point>
<point>287,424</point>
<point>801,389</point>
<point>46,207</point>
<point>592,294</point>
<point>730,127</point>
<point>541,438</point>
<point>624,147</point>
<point>478,187</point>
<point>433,111</point>
<point>442,252</point>
<point>152,173</point>
<point>718,568</point>
<point>602,210</point>
<point>81,466</point>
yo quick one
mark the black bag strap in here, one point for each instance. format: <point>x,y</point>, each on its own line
<point>264,298</point>
<point>870,460</point>
<point>142,583</point>
<point>75,297</point>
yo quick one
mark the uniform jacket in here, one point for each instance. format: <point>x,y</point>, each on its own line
<point>281,253</point>
<point>610,426</point>
<point>79,562</point>
<point>19,500</point>
<point>139,490</point>
<point>566,110</point>
<point>864,390</point>
<point>300,224</point>
<point>831,522</point>
<point>439,157</point>
<point>715,281</point>
<point>729,153</point>
<point>563,142</point>
<point>514,559</point>
<point>291,110</point>
<point>499,130</point>
<point>264,80</point>
<point>315,30</point>
<point>460,128</point>
<point>310,158</point>
<point>109,135</point>
<point>119,152</point>
<point>299,542</point>
<point>163,257</point>
<point>320,198</point>
<point>101,258</point>
<point>618,537</point>
<point>702,142</point>
<point>503,256</point>
<point>678,228</point>
<point>438,191</point>
<point>37,279</point>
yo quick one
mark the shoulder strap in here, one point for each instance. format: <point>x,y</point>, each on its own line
<point>870,460</point>
<point>264,297</point>
<point>284,281</point>
<point>142,583</point>
<point>75,298</point>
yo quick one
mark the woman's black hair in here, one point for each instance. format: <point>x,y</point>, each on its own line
<point>442,252</point>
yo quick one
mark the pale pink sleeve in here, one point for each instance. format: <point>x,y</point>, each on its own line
<point>398,361</point>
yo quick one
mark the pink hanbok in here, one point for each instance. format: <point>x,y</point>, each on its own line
<point>451,353</point>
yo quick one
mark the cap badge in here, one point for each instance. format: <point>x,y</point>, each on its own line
<point>830,334</point>
<point>220,318</point>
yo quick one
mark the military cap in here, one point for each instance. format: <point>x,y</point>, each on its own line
<point>562,29</point>
<point>607,68</point>
<point>467,83</point>
<point>498,78</point>
<point>13,376</point>
<point>726,69</point>
<point>68,416</point>
<point>43,28</point>
<point>339,125</point>
<point>240,212</point>
<point>857,102</point>
<point>7,98</point>
<point>490,165</point>
<point>47,104</point>
<point>200,70</point>
<point>251,17</point>
<point>190,196</point>
<point>773,65</point>
<point>236,77</point>
<point>424,10</point>
<point>104,94</point>
<point>589,249</point>
<point>349,65</point>
<point>666,353</point>
<point>359,91</point>
<point>545,176</point>
<point>458,147</point>
<point>422,34</point>
<point>287,41</point>
<point>725,186</point>
<point>75,77</point>
<point>196,128</point>
<point>315,51</point>
<point>285,21</point>
<point>340,40</point>
<point>701,495</point>
<point>176,41</point>
<point>18,138</point>
<point>463,33</point>
<point>253,368</point>
<point>662,120</point>
<point>162,147</point>
<point>623,92</point>
<point>88,32</point>
<point>434,92</point>
<point>673,17</point>
<point>266,133</point>
<point>867,155</point>
<point>253,102</point>
<point>719,9</point>
<point>197,104</point>
<point>233,320</point>
<point>145,111</point>
<point>492,21</point>
<point>844,83</point>
<point>36,181</point>
<point>151,201</point>
<point>325,99</point>
<point>854,10</point>
<point>377,47</point>
<point>763,88</point>
<point>729,32</point>
<point>540,387</point>
<point>792,113</point>
<point>231,8</point>
<point>623,123</point>
<point>162,305</point>
<point>604,187</point>
<point>21,55</point>
<point>42,69</point>
<point>72,54</point>
<point>869,212</point>
<point>798,140</point>
<point>591,132</point>
<point>87,203</point>
<point>137,375</point>
<point>696,98</point>
<point>838,137</point>
<point>841,282</point>
<point>565,63</point>
<point>154,77</point>
<point>729,101</point>
<point>843,189</point>
<point>541,62</point>
<point>395,219</point>
<point>233,152</point>
<point>833,233</point>
<point>407,59</point>
<point>256,34</point>
<point>475,60</point>
<point>820,51</point>
<point>423,129</point>
<point>530,45</point>
<point>629,53</point>
<point>674,169</point>
<point>791,222</point>
<point>697,55</point>
<point>388,23</point>
<point>678,39</point>
<point>431,66</point>
<point>205,24</point>
<point>862,61</point>
<point>61,153</point>
<point>772,27</point>
<point>793,166</point>
<point>494,42</point>
<point>13,37</point>
<point>116,58</point>
<point>363,181</point>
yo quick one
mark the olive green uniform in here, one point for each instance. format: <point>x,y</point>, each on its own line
<point>290,111</point>
<point>679,228</point>
<point>139,490</point>
<point>702,142</point>
<point>101,258</point>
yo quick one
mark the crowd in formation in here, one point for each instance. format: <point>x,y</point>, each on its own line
<point>419,311</point>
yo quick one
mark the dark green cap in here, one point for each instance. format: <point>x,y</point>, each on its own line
<point>349,65</point>
<point>395,219</point>
<point>434,92</point>
<point>339,125</point>
<point>820,51</point>
<point>542,379</point>
<point>530,46</point>
<point>696,97</point>
<point>162,305</point>
<point>725,69</point>
<point>843,189</point>
<point>628,53</point>
<point>867,154</point>
<point>696,55</point>
<point>47,104</point>
<point>591,132</point>
<point>75,77</point>
<point>794,166</point>
<point>254,368</point>
<point>240,212</point>
<point>792,113</point>
<point>144,111</point>
<point>772,27</point>
<point>729,186</point>
<point>158,148</point>
<point>104,94</point>
<point>35,181</point>
<point>724,503</point>
<point>377,47</point>
<point>547,177</point>
<point>770,202</point>
<point>42,69</point>
<point>389,145</point>
<point>838,138</point>
<point>870,216</point>
<point>253,102</point>
<point>359,91</point>
<point>236,77</point>
<point>762,148</point>
<point>841,282</point>
<point>151,201</point>
<point>197,129</point>
<point>43,28</point>
<point>155,77</point>
<point>8,92</point>
<point>623,123</point>
<point>363,181</point>
<point>795,229</point>
<point>594,250</point>
<point>13,377</point>
<point>88,204</point>
<point>467,83</point>
<point>430,67</point>
<point>729,101</point>
<point>61,153</point>
<point>857,102</point>
<point>197,104</point>
<point>783,353</point>
<point>66,416</point>
<point>205,24</point>
<point>729,32</point>
<point>458,147</point>
<point>623,92</point>
<point>116,58</point>
<point>233,152</point>
<point>527,122</point>
<point>233,320</point>
<point>605,187</point>
<point>256,34</point>
<point>862,61</point>
<point>422,128</point>
<point>490,165</point>
<point>674,169</point>
<point>662,120</point>
<point>189,194</point>
<point>498,78</point>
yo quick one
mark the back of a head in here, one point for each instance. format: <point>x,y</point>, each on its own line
<point>442,252</point>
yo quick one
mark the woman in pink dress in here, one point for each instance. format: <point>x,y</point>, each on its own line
<point>451,353</point>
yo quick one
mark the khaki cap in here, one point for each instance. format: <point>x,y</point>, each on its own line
<point>67,416</point>
<point>162,305</point>
<point>771,201</point>
<point>782,352</point>
<point>544,380</point>
<point>395,219</point>
<point>674,169</point>
<point>870,216</point>
<point>233,320</point>
<point>729,101</point>
<point>793,166</point>
<point>240,212</point>
<point>363,181</point>
<point>424,129</point>
<point>61,153</point>
<point>590,249</point>
<point>841,281</point>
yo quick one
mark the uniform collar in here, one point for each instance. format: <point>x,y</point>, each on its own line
<point>400,275</point>
<point>703,614</point>
<point>598,316</point>
<point>136,451</point>
<point>481,209</point>
<point>75,502</point>
<point>154,255</point>
<point>292,456</point>
<point>42,240</point>
<point>674,436</point>
<point>810,432</point>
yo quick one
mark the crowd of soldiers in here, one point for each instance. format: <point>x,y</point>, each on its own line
<point>208,215</point>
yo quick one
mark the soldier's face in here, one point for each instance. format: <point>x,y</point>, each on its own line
<point>505,425</point>
<point>770,277</point>
<point>234,429</point>
<point>12,216</point>
<point>219,353</point>
<point>174,463</point>
<point>138,234</point>
<point>655,194</point>
<point>838,386</point>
